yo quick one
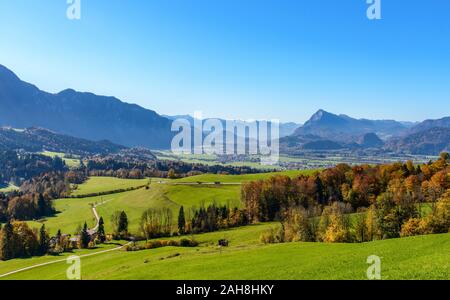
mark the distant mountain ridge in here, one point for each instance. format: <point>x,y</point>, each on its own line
<point>327,131</point>
<point>38,139</point>
<point>345,128</point>
<point>83,115</point>
<point>426,142</point>
<point>429,124</point>
<point>286,129</point>
<point>99,118</point>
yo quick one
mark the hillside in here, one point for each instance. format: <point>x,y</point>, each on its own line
<point>38,139</point>
<point>83,115</point>
<point>429,124</point>
<point>422,257</point>
<point>427,142</point>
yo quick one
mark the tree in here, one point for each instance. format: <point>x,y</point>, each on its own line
<point>171,174</point>
<point>361,230</point>
<point>58,237</point>
<point>85,238</point>
<point>115,218</point>
<point>6,242</point>
<point>41,205</point>
<point>372,224</point>
<point>44,240</point>
<point>338,229</point>
<point>101,235</point>
<point>119,221</point>
<point>123,224</point>
<point>297,226</point>
<point>181,221</point>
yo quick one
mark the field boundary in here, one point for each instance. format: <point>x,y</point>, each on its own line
<point>106,193</point>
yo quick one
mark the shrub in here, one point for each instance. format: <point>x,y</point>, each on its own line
<point>414,226</point>
<point>272,236</point>
<point>162,243</point>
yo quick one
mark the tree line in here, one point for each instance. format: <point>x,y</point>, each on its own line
<point>387,202</point>
<point>36,195</point>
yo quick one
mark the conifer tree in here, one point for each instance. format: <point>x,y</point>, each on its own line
<point>101,231</point>
<point>44,240</point>
<point>181,221</point>
<point>6,242</point>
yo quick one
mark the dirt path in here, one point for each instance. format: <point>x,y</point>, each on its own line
<point>60,260</point>
<point>94,211</point>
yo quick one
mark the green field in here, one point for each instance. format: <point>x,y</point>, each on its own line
<point>242,178</point>
<point>423,257</point>
<point>72,213</point>
<point>211,160</point>
<point>70,161</point>
<point>105,184</point>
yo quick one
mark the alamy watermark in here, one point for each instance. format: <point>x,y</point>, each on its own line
<point>227,137</point>
<point>374,9</point>
<point>374,270</point>
<point>73,10</point>
<point>74,270</point>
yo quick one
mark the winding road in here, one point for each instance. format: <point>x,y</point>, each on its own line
<point>94,211</point>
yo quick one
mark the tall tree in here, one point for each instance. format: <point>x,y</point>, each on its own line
<point>44,240</point>
<point>123,224</point>
<point>41,205</point>
<point>85,238</point>
<point>6,242</point>
<point>181,221</point>
<point>101,231</point>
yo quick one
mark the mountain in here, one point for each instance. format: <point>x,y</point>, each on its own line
<point>346,129</point>
<point>370,140</point>
<point>83,115</point>
<point>431,141</point>
<point>286,129</point>
<point>429,124</point>
<point>38,139</point>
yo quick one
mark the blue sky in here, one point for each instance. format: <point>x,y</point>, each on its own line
<point>242,59</point>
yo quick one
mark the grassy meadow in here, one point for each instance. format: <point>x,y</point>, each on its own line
<point>172,194</point>
<point>421,257</point>
<point>70,161</point>
<point>105,184</point>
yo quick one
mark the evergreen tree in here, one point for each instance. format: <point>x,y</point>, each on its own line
<point>123,224</point>
<point>181,221</point>
<point>85,238</point>
<point>6,242</point>
<point>44,240</point>
<point>101,231</point>
<point>41,205</point>
<point>58,237</point>
<point>320,190</point>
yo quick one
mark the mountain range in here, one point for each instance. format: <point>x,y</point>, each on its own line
<point>286,129</point>
<point>87,116</point>
<point>327,131</point>
<point>82,115</point>
<point>38,140</point>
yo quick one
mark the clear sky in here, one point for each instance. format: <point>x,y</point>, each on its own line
<point>242,59</point>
